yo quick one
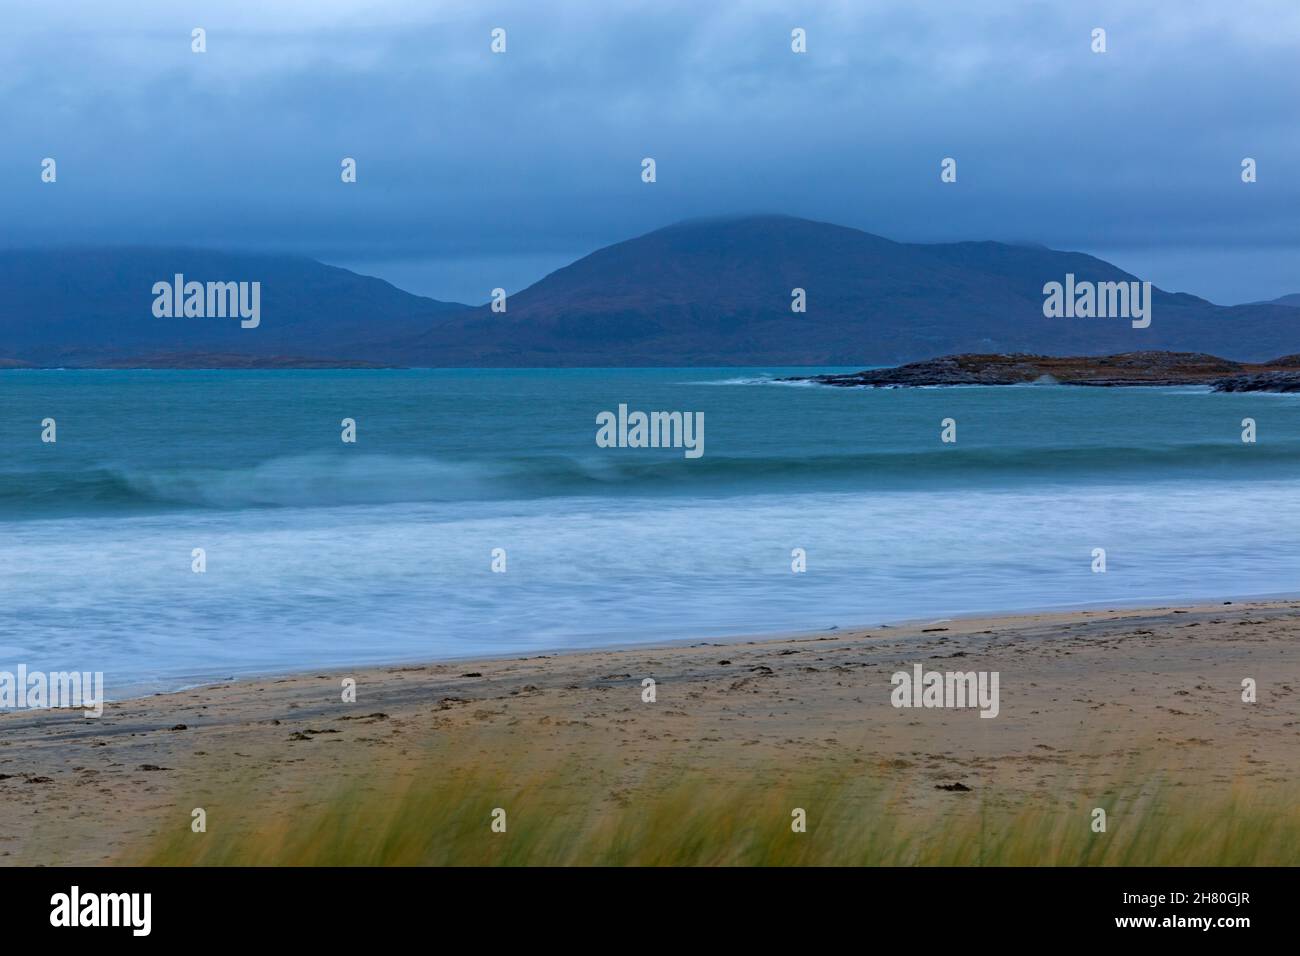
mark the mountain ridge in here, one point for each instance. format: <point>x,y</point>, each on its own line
<point>88,306</point>
<point>713,291</point>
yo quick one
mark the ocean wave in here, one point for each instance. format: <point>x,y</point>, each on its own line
<point>322,480</point>
<point>761,380</point>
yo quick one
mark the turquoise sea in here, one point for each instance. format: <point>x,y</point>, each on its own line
<point>324,554</point>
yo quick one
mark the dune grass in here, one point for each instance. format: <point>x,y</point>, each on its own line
<point>434,811</point>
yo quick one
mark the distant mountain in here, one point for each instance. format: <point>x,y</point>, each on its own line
<point>718,292</point>
<point>95,307</point>
<point>707,292</point>
<point>1292,300</point>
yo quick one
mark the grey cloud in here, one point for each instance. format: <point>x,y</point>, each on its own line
<point>534,156</point>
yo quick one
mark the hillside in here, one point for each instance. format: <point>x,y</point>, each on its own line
<point>718,292</point>
<point>95,307</point>
<point>707,292</point>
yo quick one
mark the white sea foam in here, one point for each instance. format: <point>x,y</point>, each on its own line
<point>302,587</point>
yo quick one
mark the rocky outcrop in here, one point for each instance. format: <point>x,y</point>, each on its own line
<point>1121,370</point>
<point>1263,382</point>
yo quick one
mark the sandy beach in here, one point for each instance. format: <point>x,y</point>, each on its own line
<point>1086,698</point>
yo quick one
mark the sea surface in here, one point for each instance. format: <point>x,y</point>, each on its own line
<point>324,554</point>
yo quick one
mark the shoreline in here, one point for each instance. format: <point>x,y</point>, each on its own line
<point>1089,699</point>
<point>914,623</point>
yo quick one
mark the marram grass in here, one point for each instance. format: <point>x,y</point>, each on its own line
<point>434,814</point>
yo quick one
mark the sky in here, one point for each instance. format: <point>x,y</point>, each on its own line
<point>477,170</point>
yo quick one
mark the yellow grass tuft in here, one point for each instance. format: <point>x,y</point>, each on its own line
<point>437,812</point>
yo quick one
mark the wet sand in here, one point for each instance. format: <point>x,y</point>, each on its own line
<point>1084,696</point>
